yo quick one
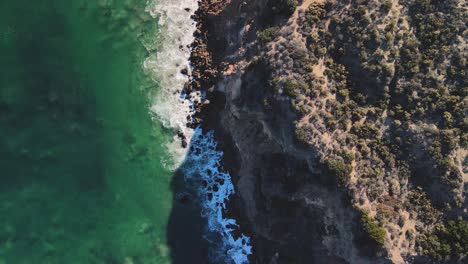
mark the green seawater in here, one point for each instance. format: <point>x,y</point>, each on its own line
<point>81,175</point>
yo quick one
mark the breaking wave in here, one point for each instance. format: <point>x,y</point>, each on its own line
<point>175,34</point>
<point>203,166</point>
<point>201,162</point>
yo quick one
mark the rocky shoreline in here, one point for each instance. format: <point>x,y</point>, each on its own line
<point>217,69</point>
<point>207,71</point>
<point>273,95</point>
<point>204,73</point>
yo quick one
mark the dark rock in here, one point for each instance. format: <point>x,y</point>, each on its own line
<point>188,87</point>
<point>184,198</point>
<point>181,135</point>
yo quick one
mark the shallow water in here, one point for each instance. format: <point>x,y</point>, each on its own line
<point>81,178</point>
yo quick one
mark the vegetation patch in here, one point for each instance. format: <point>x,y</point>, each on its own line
<point>447,241</point>
<point>291,87</point>
<point>372,230</point>
<point>302,135</point>
<point>267,35</point>
<point>340,169</point>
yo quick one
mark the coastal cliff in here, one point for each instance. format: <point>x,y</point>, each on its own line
<point>342,128</point>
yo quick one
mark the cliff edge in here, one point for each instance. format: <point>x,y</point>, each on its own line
<point>343,123</point>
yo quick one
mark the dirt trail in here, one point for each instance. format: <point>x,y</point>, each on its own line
<point>461,161</point>
<point>399,242</point>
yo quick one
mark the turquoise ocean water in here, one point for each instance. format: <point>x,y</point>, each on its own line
<point>90,106</point>
<point>81,158</point>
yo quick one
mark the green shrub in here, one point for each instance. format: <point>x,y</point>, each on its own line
<point>447,241</point>
<point>340,169</point>
<point>348,156</point>
<point>426,211</point>
<point>280,8</point>
<point>331,123</point>
<point>372,230</point>
<point>314,14</point>
<point>300,109</point>
<point>387,5</point>
<point>287,7</point>
<point>267,34</point>
<point>366,130</point>
<point>448,119</point>
<point>301,135</point>
<point>291,87</point>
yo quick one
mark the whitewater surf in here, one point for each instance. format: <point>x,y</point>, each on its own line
<point>201,162</point>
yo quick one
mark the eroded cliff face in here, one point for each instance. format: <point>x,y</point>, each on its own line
<point>293,211</point>
<point>289,206</point>
<point>309,115</point>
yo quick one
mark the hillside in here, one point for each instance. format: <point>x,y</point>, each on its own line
<point>344,125</point>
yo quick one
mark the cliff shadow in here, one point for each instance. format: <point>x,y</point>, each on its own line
<point>199,231</point>
<point>186,227</point>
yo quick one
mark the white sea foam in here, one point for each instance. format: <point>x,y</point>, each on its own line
<point>203,165</point>
<point>202,162</point>
<point>175,34</point>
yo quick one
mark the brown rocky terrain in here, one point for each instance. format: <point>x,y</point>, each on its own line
<point>343,123</point>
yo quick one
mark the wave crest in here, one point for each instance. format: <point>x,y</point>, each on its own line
<point>171,108</point>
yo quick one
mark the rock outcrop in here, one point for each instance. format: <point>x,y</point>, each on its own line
<point>308,102</point>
